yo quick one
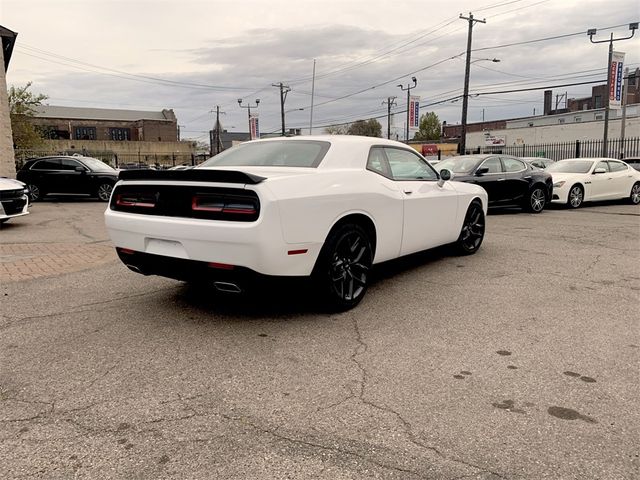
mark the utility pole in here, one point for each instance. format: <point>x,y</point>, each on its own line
<point>313,91</point>
<point>591,32</point>
<point>390,102</point>
<point>465,95</point>
<point>284,89</point>
<point>249,107</point>
<point>216,131</point>
<point>408,89</point>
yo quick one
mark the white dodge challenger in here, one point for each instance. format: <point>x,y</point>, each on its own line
<point>328,207</point>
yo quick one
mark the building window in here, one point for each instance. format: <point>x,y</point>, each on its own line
<point>598,101</point>
<point>85,133</point>
<point>561,120</point>
<point>577,119</point>
<point>119,134</point>
<point>599,117</point>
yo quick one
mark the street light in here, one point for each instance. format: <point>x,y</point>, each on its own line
<point>591,32</point>
<point>249,107</point>
<point>408,90</point>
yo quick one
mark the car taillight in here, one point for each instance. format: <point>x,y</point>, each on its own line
<point>224,206</point>
<point>135,200</point>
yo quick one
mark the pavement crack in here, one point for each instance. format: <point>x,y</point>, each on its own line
<point>361,348</point>
<point>320,446</point>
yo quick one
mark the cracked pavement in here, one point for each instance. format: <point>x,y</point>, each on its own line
<point>519,362</point>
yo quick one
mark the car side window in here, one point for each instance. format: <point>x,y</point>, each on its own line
<point>493,164</point>
<point>47,164</point>
<point>406,165</point>
<point>512,165</point>
<point>604,165</point>
<point>69,164</point>
<point>377,162</point>
<point>617,166</point>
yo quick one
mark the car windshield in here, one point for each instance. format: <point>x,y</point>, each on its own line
<point>571,166</point>
<point>282,153</point>
<point>97,165</point>
<point>461,164</point>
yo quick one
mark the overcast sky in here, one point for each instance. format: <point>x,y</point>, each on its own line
<point>192,55</point>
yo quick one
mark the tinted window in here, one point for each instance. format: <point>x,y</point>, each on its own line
<point>283,153</point>
<point>406,165</point>
<point>493,164</point>
<point>617,166</point>
<point>68,164</point>
<point>604,165</point>
<point>48,164</point>
<point>512,165</point>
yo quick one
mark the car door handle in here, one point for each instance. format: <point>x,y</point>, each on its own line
<point>501,179</point>
<point>408,192</point>
<point>528,176</point>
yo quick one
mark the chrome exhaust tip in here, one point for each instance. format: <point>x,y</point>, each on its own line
<point>134,268</point>
<point>227,287</point>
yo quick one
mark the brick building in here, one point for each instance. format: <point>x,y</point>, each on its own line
<point>75,123</point>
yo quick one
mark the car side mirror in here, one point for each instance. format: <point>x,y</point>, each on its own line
<point>599,170</point>
<point>445,176</point>
<point>80,169</point>
<point>482,170</point>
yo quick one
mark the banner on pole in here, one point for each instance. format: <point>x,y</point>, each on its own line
<point>616,80</point>
<point>414,113</point>
<point>254,126</point>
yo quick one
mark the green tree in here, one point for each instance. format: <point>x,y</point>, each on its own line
<point>22,106</point>
<point>429,128</point>
<point>367,128</point>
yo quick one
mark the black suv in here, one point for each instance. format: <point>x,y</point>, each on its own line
<point>68,175</point>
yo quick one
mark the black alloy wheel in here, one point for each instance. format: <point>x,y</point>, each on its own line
<point>634,197</point>
<point>472,232</point>
<point>537,200</point>
<point>104,191</point>
<point>344,267</point>
<point>576,196</point>
<point>34,192</point>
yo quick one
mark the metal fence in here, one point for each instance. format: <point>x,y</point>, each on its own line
<point>562,150</point>
<point>132,160</point>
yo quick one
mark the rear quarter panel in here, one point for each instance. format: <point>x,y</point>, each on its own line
<point>310,205</point>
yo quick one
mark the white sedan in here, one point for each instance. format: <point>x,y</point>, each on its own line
<point>14,200</point>
<point>328,207</point>
<point>578,180</point>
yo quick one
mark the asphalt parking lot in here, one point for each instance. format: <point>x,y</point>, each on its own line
<point>521,361</point>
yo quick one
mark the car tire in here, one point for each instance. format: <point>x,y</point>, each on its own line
<point>104,191</point>
<point>35,193</point>
<point>576,196</point>
<point>342,271</point>
<point>536,200</point>
<point>472,232</point>
<point>634,196</point>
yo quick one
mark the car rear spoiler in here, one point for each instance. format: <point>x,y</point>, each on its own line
<point>192,175</point>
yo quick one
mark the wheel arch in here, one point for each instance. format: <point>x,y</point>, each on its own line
<point>358,218</point>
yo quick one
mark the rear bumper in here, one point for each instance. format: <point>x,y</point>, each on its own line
<point>233,280</point>
<point>257,246</point>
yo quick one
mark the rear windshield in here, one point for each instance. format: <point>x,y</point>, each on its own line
<point>278,153</point>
